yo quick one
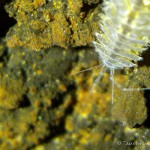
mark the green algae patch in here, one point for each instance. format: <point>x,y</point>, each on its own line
<point>11,92</point>
<point>130,109</point>
<point>35,94</point>
<point>42,24</point>
<point>46,72</point>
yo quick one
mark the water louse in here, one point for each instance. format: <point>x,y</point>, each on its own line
<point>125,34</point>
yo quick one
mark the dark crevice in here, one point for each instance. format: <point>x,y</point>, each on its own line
<point>25,102</point>
<point>145,55</point>
<point>147,97</point>
<point>86,8</point>
<point>6,21</point>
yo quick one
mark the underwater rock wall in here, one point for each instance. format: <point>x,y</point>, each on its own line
<point>42,24</point>
<point>44,104</point>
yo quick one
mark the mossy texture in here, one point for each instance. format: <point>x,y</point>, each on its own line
<point>45,105</point>
<point>41,23</point>
<point>131,107</point>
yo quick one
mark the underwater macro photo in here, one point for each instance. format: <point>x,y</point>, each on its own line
<point>74,74</point>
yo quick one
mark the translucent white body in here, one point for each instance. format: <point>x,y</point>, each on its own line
<point>125,33</point>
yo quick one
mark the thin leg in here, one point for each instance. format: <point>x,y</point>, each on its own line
<point>98,79</point>
<point>127,89</point>
<point>89,69</point>
<point>95,83</point>
<point>112,77</point>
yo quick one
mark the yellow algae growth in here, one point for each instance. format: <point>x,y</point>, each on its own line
<point>42,24</point>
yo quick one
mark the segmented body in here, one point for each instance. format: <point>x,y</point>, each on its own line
<point>125,34</point>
